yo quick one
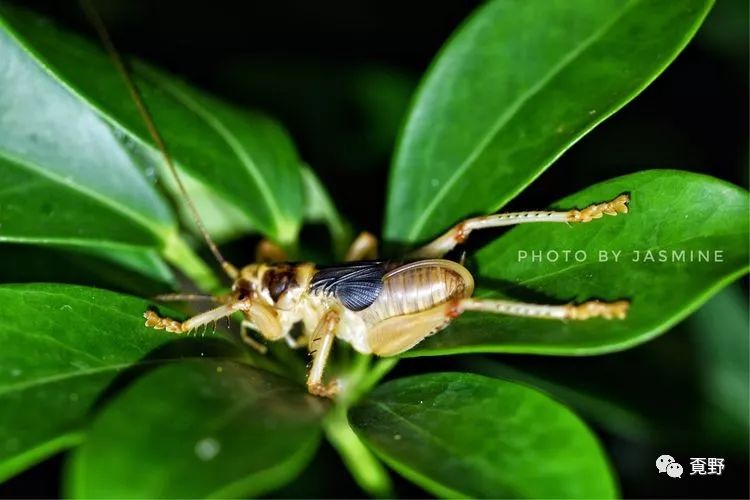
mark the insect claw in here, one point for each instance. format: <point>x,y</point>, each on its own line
<point>596,211</point>
<point>597,309</point>
<point>157,322</point>
<point>325,390</point>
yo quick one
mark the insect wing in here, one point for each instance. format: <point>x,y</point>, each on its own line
<point>356,285</point>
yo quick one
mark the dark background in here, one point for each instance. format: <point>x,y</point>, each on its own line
<point>339,75</point>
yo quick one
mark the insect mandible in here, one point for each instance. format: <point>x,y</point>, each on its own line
<point>381,307</point>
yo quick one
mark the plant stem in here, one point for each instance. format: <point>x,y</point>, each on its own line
<point>367,470</point>
<point>181,256</point>
<point>379,369</point>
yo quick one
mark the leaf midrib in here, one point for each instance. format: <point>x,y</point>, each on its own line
<point>434,438</point>
<point>52,341</point>
<point>230,138</point>
<point>49,69</point>
<point>505,118</point>
<point>580,265</point>
<point>64,376</point>
<point>111,203</point>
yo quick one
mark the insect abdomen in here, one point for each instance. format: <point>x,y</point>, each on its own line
<point>418,286</point>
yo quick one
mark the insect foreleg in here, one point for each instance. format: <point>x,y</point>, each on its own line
<point>321,342</point>
<point>364,247</point>
<point>153,320</point>
<point>584,310</point>
<point>263,317</point>
<point>460,232</point>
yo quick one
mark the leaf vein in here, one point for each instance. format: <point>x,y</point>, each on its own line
<point>505,118</point>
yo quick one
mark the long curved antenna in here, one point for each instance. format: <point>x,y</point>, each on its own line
<point>101,30</point>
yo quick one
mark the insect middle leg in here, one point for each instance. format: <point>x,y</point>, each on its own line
<point>267,251</point>
<point>461,231</point>
<point>248,339</point>
<point>364,247</point>
<point>321,342</point>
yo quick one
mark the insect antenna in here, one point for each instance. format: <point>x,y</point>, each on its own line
<point>143,111</point>
<point>184,297</point>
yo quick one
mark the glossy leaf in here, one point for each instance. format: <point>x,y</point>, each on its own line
<point>320,208</point>
<point>721,333</point>
<point>67,177</point>
<point>139,272</point>
<point>247,159</point>
<point>517,85</point>
<point>601,406</point>
<point>62,346</point>
<point>673,216</point>
<point>198,429</point>
<point>461,435</point>
<point>70,178</point>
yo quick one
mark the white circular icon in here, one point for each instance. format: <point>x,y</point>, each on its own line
<point>674,470</point>
<point>663,461</point>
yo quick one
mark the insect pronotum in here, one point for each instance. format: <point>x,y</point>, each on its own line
<point>381,307</point>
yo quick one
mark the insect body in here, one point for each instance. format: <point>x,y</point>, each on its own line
<point>380,307</point>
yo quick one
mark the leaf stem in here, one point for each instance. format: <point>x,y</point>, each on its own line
<point>379,369</point>
<point>367,470</point>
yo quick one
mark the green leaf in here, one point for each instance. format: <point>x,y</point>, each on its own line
<point>62,346</point>
<point>721,334</point>
<point>142,262</point>
<point>246,159</point>
<point>67,177</point>
<point>140,272</point>
<point>517,85</point>
<point>673,215</point>
<point>320,208</point>
<point>70,178</point>
<point>601,406</point>
<point>461,435</point>
<point>198,429</point>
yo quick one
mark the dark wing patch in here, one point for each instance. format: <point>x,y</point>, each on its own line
<point>356,284</point>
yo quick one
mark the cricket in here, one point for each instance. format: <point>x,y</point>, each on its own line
<point>380,307</point>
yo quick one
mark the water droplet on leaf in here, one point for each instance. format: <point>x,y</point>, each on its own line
<point>207,448</point>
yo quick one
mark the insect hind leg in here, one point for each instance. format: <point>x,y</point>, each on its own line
<point>582,311</point>
<point>461,231</point>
